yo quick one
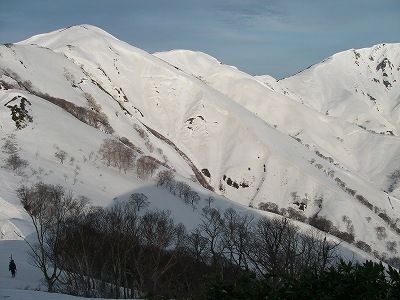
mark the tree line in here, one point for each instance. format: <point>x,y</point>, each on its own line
<point>125,252</point>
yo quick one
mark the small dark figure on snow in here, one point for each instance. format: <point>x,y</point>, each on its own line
<point>12,267</point>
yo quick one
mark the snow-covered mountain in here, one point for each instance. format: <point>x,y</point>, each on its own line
<point>323,143</point>
<point>357,147</point>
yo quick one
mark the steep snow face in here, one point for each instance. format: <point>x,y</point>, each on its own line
<point>346,144</point>
<point>254,139</point>
<point>360,86</point>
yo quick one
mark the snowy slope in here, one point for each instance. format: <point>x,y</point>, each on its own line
<point>351,151</point>
<point>242,139</point>
<point>336,137</point>
<point>360,86</point>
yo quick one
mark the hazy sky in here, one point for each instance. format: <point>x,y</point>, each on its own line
<point>275,37</point>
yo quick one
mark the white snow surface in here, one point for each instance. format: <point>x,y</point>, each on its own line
<point>274,139</point>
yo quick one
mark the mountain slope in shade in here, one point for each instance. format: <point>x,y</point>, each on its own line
<point>245,140</point>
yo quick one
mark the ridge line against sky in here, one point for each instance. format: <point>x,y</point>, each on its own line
<point>274,37</point>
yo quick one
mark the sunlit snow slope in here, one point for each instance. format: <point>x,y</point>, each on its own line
<point>316,143</point>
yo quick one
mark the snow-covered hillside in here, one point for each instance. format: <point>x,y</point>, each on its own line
<point>358,161</point>
<point>323,143</point>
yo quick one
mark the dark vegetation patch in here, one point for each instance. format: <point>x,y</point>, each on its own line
<point>19,113</point>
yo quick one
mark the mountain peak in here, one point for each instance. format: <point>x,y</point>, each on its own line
<point>309,147</point>
<point>58,38</point>
<point>360,86</point>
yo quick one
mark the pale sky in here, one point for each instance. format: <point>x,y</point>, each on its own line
<point>274,37</point>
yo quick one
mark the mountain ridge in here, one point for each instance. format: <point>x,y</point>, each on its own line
<point>254,140</point>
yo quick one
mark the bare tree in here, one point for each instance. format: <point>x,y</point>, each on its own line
<point>381,232</point>
<point>269,206</point>
<point>146,166</point>
<point>91,102</point>
<point>212,229</point>
<point>107,150</point>
<point>160,239</point>
<point>48,207</point>
<point>237,233</point>
<point>278,247</point>
<point>120,231</point>
<point>80,252</point>
<point>182,188</point>
<point>165,178</point>
<point>139,200</point>
<point>209,200</point>
<point>274,245</point>
<point>315,251</point>
<point>10,146</point>
<point>391,246</point>
<point>128,159</point>
<point>196,245</point>
<point>61,155</point>
<point>117,154</point>
<point>13,161</point>
<point>192,197</point>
